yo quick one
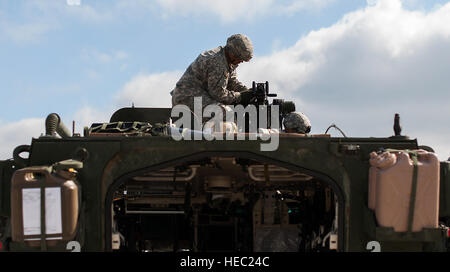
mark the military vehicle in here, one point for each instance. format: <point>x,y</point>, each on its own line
<point>127,185</point>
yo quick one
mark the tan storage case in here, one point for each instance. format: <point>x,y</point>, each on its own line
<point>60,198</point>
<point>383,160</point>
<point>390,187</point>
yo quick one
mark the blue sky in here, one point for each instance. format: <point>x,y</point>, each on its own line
<point>74,57</point>
<point>350,62</point>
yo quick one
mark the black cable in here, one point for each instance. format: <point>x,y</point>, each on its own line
<point>333,125</point>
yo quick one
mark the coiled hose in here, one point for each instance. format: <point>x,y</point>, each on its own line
<point>53,125</point>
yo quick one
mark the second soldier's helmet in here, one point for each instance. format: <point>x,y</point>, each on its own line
<point>240,46</point>
<point>297,122</point>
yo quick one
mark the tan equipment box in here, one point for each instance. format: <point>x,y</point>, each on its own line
<point>38,193</point>
<point>404,191</point>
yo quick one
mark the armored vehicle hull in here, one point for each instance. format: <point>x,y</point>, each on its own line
<point>154,193</point>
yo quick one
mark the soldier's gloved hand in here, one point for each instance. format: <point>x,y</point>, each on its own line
<point>246,97</point>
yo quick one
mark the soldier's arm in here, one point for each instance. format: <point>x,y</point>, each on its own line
<point>234,84</point>
<point>217,87</point>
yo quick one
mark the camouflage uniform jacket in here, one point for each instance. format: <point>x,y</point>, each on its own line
<point>211,77</point>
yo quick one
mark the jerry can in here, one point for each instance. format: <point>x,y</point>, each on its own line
<point>380,161</point>
<point>42,198</point>
<point>404,191</point>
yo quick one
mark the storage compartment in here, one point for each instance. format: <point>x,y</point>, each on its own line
<point>395,198</point>
<point>227,205</point>
<point>40,189</point>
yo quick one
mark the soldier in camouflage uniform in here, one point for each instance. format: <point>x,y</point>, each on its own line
<point>296,122</point>
<point>212,76</point>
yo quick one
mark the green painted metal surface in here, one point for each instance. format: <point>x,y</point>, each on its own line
<point>112,159</point>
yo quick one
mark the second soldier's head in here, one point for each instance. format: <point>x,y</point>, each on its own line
<point>297,122</point>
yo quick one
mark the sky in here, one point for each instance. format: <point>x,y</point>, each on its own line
<point>353,63</point>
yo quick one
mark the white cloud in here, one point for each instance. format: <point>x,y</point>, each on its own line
<point>31,30</point>
<point>25,33</point>
<point>359,72</point>
<point>299,5</point>
<point>148,90</point>
<point>103,57</point>
<point>143,90</point>
<point>73,2</point>
<point>19,133</point>
<point>41,17</point>
<point>91,11</point>
<point>87,11</point>
<point>88,115</point>
<point>106,12</point>
<point>232,10</point>
<point>92,74</point>
<point>228,10</point>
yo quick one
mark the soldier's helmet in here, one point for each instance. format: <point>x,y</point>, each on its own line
<point>240,46</point>
<point>297,122</point>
